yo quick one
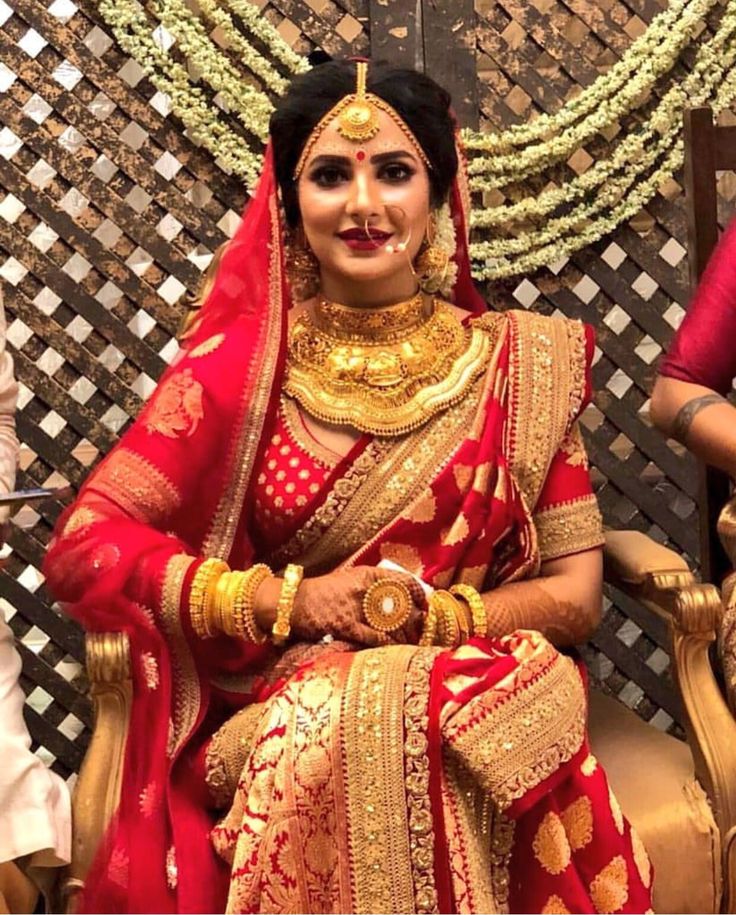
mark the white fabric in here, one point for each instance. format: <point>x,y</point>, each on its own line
<point>35,808</point>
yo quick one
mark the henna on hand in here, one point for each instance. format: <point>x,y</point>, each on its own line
<point>527,605</point>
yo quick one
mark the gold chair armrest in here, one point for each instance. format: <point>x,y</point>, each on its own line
<point>97,793</point>
<point>661,581</point>
<point>644,569</point>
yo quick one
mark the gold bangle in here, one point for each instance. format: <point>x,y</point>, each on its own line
<point>216,622</point>
<point>199,595</point>
<point>281,630</point>
<point>244,622</point>
<point>448,627</point>
<point>429,632</point>
<point>477,608</point>
<point>227,610</point>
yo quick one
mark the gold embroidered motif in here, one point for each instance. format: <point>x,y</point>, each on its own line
<point>81,517</point>
<point>555,906</point>
<point>408,557</point>
<point>589,765</point>
<point>463,474</point>
<point>186,680</point>
<point>423,510</point>
<point>172,871</point>
<point>228,751</point>
<point>119,867</point>
<point>148,800</point>
<point>458,532</point>
<point>207,346</point>
<point>578,822</point>
<point>150,670</point>
<point>377,814</point>
<point>573,448</point>
<point>325,515</point>
<point>137,486</point>
<point>618,817</point>
<point>551,846</point>
<point>610,889</point>
<point>416,770</point>
<point>641,859</point>
<point>569,527</point>
<point>176,408</point>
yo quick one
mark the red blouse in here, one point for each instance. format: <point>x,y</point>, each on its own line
<point>704,349</point>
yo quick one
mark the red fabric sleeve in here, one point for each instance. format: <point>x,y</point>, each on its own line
<point>703,351</point>
<point>566,515</point>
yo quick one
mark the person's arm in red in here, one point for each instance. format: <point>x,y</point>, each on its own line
<point>688,401</point>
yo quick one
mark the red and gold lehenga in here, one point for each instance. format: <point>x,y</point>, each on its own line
<point>391,779</point>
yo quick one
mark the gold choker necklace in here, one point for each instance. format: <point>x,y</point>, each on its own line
<point>385,370</point>
<point>387,324</point>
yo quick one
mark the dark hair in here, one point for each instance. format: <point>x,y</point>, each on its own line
<point>419,101</point>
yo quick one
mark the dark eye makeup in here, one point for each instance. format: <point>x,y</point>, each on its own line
<point>333,174</point>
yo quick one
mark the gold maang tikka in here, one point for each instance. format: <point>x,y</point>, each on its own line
<point>358,121</point>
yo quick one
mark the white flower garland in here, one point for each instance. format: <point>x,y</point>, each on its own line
<point>651,55</point>
<point>608,193</point>
<point>252,107</point>
<point>133,32</point>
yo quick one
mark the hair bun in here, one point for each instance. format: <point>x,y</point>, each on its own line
<point>318,56</point>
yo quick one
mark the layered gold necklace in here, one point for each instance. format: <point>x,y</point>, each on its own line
<point>382,370</point>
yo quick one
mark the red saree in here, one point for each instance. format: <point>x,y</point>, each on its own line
<point>484,794</point>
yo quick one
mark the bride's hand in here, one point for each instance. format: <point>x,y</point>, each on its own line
<point>333,605</point>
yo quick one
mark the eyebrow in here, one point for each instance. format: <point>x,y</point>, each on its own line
<point>378,159</point>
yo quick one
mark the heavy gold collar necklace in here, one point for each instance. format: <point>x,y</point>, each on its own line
<point>383,370</point>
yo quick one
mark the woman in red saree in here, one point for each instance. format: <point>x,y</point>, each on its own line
<point>355,771</point>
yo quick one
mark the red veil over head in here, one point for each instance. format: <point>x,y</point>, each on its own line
<point>158,497</point>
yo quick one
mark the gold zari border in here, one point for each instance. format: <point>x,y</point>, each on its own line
<point>378,819</point>
<point>512,745</point>
<point>186,680</point>
<point>547,378</point>
<point>569,527</point>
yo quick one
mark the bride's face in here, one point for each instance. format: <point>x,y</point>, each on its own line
<point>357,200</point>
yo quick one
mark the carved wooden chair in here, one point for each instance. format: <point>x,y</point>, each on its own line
<point>681,797</point>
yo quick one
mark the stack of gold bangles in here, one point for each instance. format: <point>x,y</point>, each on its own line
<point>454,616</point>
<point>221,600</point>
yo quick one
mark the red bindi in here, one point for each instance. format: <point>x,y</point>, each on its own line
<point>360,155</point>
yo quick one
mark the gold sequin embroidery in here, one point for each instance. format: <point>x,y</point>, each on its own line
<point>150,670</point>
<point>555,906</point>
<point>569,527</point>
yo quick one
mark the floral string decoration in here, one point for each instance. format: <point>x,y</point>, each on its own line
<point>222,64</point>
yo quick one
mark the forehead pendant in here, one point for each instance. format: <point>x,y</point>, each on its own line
<point>358,121</point>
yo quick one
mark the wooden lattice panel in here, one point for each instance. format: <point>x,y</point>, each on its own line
<point>109,213</point>
<point>632,286</point>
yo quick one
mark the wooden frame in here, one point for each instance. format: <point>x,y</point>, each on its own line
<point>708,150</point>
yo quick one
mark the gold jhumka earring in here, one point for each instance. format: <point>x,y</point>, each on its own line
<point>432,262</point>
<point>302,267</point>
